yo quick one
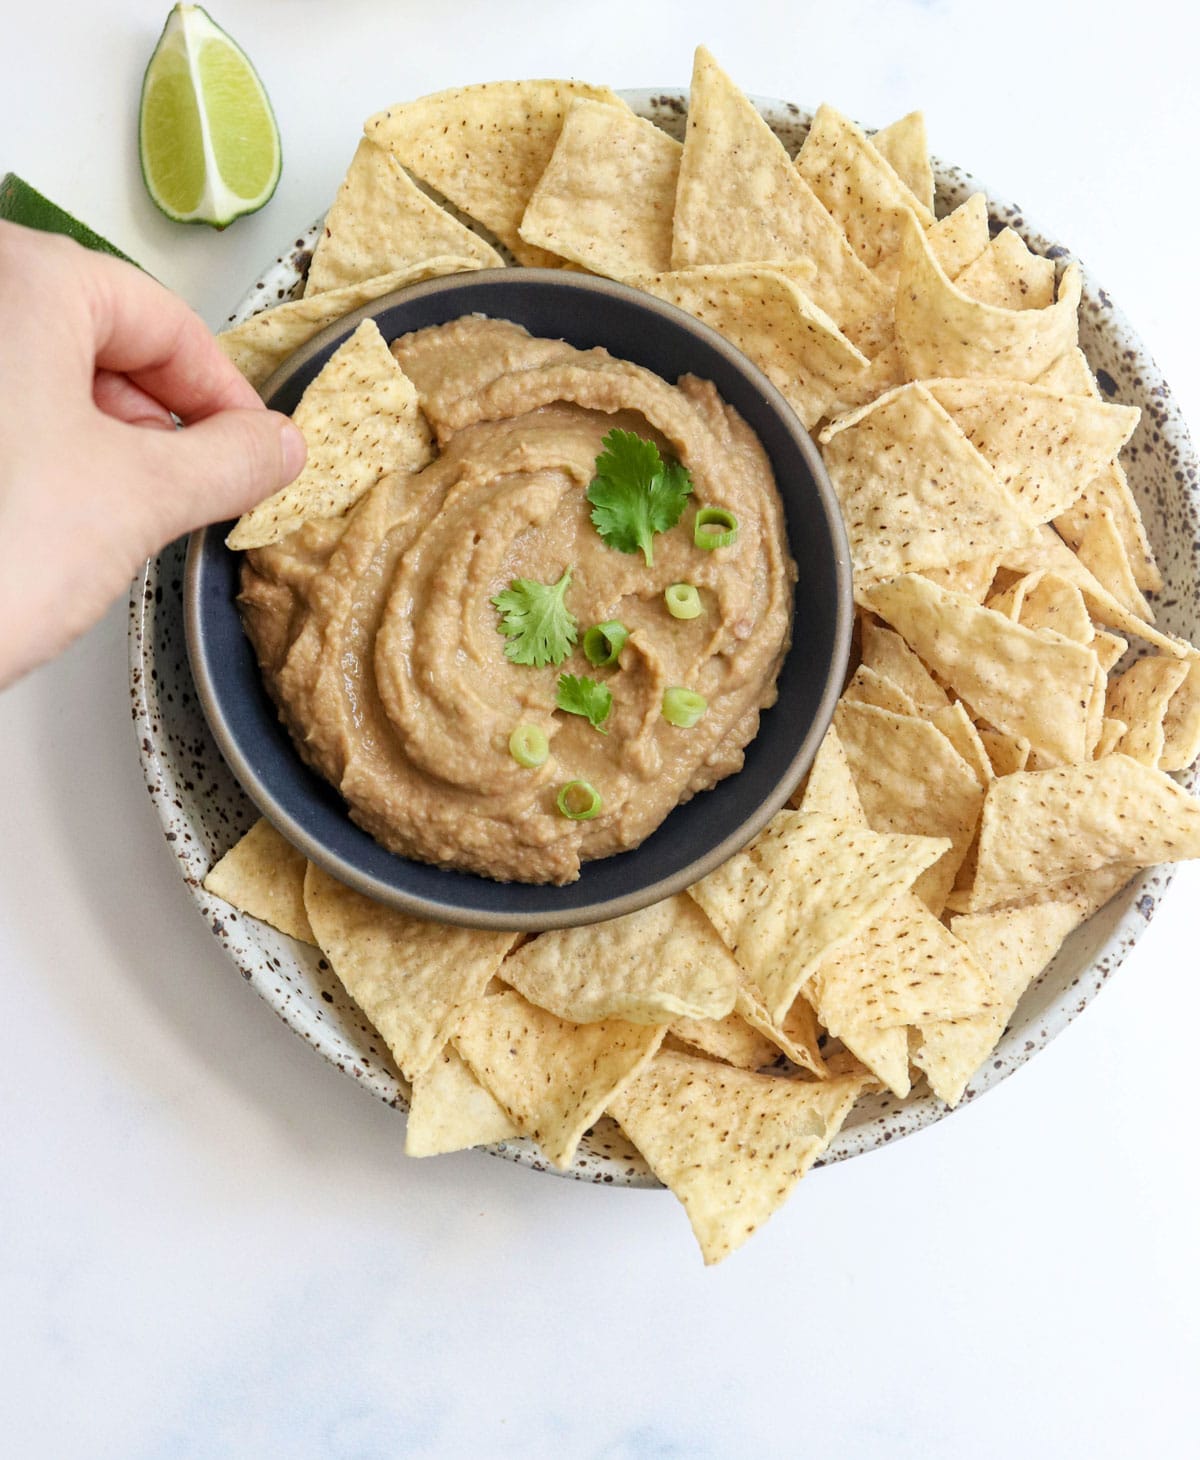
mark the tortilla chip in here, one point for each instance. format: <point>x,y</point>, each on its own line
<point>1109,650</point>
<point>1007,753</point>
<point>912,781</point>
<point>1046,601</point>
<point>829,788</point>
<point>886,652</point>
<point>914,491</point>
<point>381,221</point>
<point>869,687</point>
<point>740,200</point>
<point>649,967</point>
<point>1110,488</point>
<point>607,196</point>
<point>958,727</point>
<point>1013,947</point>
<point>1032,683</point>
<point>773,322</point>
<point>884,1052</point>
<point>902,970</point>
<point>361,420</point>
<point>263,875</point>
<point>943,331</point>
<point>451,1111</point>
<point>1181,724</point>
<point>1111,734</point>
<point>554,1079</point>
<point>260,344</point>
<point>730,1040</point>
<point>845,875</point>
<point>904,146</point>
<point>411,978</point>
<point>1140,698</point>
<point>1045,549</point>
<point>955,241</point>
<point>797,1035</point>
<point>485,147</point>
<point>730,1144</point>
<point>972,578</point>
<point>1044,446</point>
<point>861,189</point>
<point>1007,275</point>
<point>1101,549</point>
<point>1039,827</point>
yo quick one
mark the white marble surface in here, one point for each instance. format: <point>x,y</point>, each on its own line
<point>210,1243</point>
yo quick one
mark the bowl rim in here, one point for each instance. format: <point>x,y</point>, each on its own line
<point>634,897</point>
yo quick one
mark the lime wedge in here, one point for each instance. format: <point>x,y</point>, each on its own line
<point>20,203</point>
<point>207,137</point>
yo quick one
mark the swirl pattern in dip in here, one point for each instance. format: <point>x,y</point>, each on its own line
<point>380,643</point>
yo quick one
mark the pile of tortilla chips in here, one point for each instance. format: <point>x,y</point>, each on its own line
<point>993,775</point>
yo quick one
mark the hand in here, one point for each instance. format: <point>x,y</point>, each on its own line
<point>95,360</point>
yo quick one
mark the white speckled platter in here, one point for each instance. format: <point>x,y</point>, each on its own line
<point>203,810</point>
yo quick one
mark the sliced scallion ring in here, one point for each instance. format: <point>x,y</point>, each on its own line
<point>528,746</point>
<point>579,801</point>
<point>714,528</point>
<point>683,707</point>
<point>602,644</point>
<point>683,601</point>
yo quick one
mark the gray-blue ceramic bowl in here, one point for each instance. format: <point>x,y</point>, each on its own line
<point>696,837</point>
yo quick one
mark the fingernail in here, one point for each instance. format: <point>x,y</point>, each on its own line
<point>295,450</point>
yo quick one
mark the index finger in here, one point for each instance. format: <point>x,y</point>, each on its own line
<point>144,331</point>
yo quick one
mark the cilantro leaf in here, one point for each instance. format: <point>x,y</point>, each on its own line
<point>536,620</point>
<point>635,494</point>
<point>578,695</point>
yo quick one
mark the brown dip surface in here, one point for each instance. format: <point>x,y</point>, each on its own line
<point>381,646</point>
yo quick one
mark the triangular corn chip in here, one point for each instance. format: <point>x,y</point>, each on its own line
<point>649,967</point>
<point>263,875</point>
<point>607,197</point>
<point>554,1079</point>
<point>1045,601</point>
<point>869,687</point>
<point>1007,753</point>
<point>1045,447</point>
<point>260,344</point>
<point>411,978</point>
<point>1007,275</point>
<point>1101,549</point>
<point>730,1040</point>
<point>450,1110</point>
<point>485,147</point>
<point>797,1035</point>
<point>380,222</point>
<point>774,323</point>
<point>902,970</point>
<point>972,578</point>
<point>740,200</point>
<point>730,1144</point>
<point>1110,488</point>
<point>943,331</point>
<point>912,781</point>
<point>861,189</point>
<point>1012,947</point>
<point>886,652</point>
<point>914,491</point>
<point>361,420</point>
<point>1140,697</point>
<point>1029,682</point>
<point>1039,827</point>
<point>905,146</point>
<point>959,729</point>
<point>1181,724</point>
<point>846,874</point>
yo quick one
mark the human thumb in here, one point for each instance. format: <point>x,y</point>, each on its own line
<point>219,467</point>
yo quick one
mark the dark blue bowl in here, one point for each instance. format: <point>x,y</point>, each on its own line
<point>696,837</point>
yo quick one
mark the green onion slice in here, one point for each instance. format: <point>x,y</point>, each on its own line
<point>579,801</point>
<point>528,746</point>
<point>602,644</point>
<point>683,601</point>
<point>714,528</point>
<point>683,707</point>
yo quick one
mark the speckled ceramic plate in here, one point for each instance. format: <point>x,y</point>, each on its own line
<point>203,810</point>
